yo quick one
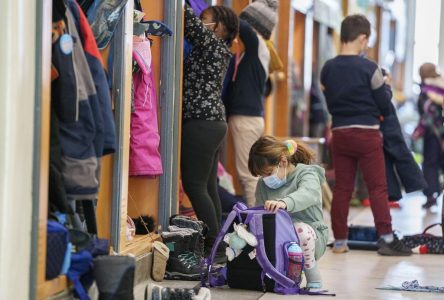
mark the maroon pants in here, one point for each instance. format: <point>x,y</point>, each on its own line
<point>350,147</point>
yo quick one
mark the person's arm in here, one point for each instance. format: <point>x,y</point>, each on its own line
<point>195,32</point>
<point>381,92</point>
<point>249,38</point>
<point>308,193</point>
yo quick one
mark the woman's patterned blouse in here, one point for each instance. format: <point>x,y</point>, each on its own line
<point>204,71</point>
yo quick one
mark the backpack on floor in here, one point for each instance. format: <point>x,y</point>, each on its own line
<point>265,268</point>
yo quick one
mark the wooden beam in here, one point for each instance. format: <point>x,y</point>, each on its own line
<point>239,5</point>
<point>282,95</point>
<point>44,141</point>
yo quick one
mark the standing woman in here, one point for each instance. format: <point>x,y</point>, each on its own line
<point>204,125</point>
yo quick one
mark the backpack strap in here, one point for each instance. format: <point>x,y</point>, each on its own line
<point>429,227</point>
<point>284,285</point>
<point>256,228</point>
<point>218,277</point>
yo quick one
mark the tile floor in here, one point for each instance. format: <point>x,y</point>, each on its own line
<point>355,275</point>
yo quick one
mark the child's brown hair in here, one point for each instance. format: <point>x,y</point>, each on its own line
<point>268,151</point>
<point>353,26</point>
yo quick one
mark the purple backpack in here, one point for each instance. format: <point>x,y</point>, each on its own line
<point>267,270</point>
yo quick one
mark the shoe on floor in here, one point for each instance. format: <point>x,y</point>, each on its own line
<point>395,248</point>
<point>157,292</point>
<point>394,204</point>
<point>204,294</point>
<point>365,202</point>
<point>182,264</point>
<point>185,267</point>
<point>161,254</point>
<point>431,201</point>
<point>341,249</point>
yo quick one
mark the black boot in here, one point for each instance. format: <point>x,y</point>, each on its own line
<point>182,264</point>
<point>114,276</point>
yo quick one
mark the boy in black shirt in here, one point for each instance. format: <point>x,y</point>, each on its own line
<point>356,98</point>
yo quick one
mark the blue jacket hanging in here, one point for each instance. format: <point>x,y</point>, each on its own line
<point>82,102</point>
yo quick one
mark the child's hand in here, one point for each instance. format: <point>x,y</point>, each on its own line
<point>274,205</point>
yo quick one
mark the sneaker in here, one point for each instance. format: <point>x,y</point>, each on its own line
<point>365,202</point>
<point>157,292</point>
<point>431,201</point>
<point>395,248</point>
<point>394,204</point>
<point>341,249</point>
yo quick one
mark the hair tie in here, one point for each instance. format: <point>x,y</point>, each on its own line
<point>292,146</point>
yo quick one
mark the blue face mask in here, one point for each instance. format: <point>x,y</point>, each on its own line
<point>273,181</point>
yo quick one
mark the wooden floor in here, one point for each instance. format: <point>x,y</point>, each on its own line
<point>355,275</point>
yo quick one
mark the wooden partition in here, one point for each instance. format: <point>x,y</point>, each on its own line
<point>228,157</point>
<point>45,287</point>
<point>284,47</point>
<point>143,192</point>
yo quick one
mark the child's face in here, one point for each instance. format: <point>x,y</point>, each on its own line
<point>279,170</point>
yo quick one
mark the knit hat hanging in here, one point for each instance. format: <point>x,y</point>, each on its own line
<point>262,15</point>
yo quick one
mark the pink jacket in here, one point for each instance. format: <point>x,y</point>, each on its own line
<point>144,140</point>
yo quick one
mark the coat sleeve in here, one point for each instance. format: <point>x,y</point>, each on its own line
<point>308,193</point>
<point>381,92</point>
<point>249,38</point>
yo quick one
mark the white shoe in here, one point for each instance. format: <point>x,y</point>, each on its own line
<point>204,294</point>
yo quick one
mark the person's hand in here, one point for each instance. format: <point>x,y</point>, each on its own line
<point>274,205</point>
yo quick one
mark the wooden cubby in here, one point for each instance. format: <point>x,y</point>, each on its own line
<point>139,195</point>
<point>141,244</point>
<point>45,288</point>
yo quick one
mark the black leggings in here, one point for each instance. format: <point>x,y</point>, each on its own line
<point>201,143</point>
